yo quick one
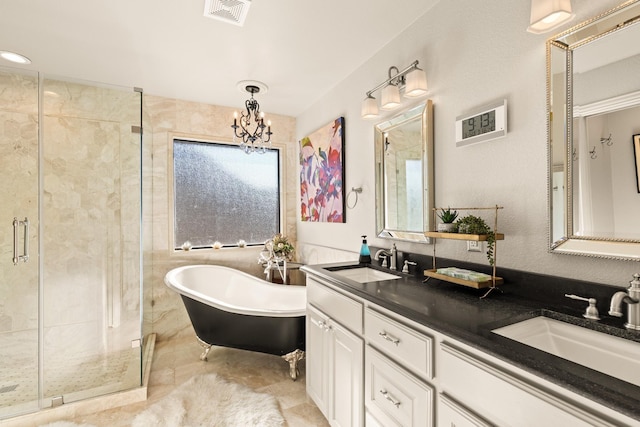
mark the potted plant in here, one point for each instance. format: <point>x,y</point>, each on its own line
<point>282,248</point>
<point>471,224</point>
<point>447,216</point>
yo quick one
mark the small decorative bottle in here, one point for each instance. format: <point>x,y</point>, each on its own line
<point>365,254</point>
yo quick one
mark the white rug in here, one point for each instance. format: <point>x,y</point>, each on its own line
<point>66,424</point>
<point>207,400</point>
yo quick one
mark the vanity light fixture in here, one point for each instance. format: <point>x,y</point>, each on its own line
<point>14,57</point>
<point>549,14</point>
<point>252,128</point>
<point>412,80</point>
<point>390,96</point>
<point>369,107</point>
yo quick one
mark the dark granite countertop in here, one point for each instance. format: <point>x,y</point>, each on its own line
<point>459,312</point>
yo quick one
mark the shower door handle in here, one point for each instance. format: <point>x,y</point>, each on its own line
<point>16,238</point>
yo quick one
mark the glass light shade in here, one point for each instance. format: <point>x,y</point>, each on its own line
<point>549,14</point>
<point>369,108</point>
<point>416,83</point>
<point>390,97</point>
<point>14,57</point>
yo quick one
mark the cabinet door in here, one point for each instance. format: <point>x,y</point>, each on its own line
<point>317,350</point>
<point>394,396</point>
<point>345,372</point>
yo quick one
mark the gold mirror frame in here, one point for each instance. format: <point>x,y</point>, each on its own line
<point>421,115</point>
<point>560,94</point>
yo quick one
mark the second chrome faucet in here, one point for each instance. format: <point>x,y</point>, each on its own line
<point>391,254</point>
<point>632,298</point>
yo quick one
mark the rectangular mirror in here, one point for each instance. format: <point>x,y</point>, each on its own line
<point>593,96</point>
<point>404,174</point>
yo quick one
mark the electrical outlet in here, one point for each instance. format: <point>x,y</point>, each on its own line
<point>474,246</point>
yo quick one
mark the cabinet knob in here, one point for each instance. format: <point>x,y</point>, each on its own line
<point>324,325</point>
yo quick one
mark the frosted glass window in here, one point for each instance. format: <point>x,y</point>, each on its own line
<point>223,194</point>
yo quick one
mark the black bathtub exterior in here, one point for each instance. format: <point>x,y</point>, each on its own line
<point>272,335</point>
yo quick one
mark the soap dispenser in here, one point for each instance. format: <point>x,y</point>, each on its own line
<point>365,254</point>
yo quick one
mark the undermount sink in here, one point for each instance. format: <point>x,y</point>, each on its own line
<point>365,274</point>
<point>611,355</point>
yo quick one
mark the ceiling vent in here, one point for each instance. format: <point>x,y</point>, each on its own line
<point>230,11</point>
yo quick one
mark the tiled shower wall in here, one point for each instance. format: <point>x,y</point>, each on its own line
<point>90,204</point>
<point>18,153</point>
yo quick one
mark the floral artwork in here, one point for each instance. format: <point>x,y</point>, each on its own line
<point>321,174</point>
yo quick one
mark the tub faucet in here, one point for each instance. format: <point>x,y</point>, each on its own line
<point>632,298</point>
<point>392,254</point>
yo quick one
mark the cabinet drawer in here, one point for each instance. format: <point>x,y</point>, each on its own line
<point>453,414</point>
<point>394,396</point>
<point>337,306</point>
<point>408,347</point>
<point>503,398</point>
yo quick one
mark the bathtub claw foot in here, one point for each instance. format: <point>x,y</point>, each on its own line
<point>206,347</point>
<point>293,358</point>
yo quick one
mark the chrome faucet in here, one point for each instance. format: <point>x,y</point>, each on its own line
<point>632,298</point>
<point>407,263</point>
<point>392,254</point>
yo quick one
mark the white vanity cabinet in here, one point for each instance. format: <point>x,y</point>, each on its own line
<point>334,349</point>
<point>368,365</point>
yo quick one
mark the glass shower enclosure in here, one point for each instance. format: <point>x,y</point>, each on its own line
<point>70,241</point>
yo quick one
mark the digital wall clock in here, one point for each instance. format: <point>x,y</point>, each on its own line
<point>482,124</point>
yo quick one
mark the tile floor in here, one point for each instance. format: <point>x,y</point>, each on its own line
<point>75,377</point>
<point>176,361</point>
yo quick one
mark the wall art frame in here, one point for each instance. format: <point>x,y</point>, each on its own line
<point>322,197</point>
<point>636,152</point>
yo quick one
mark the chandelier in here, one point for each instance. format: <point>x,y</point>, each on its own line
<point>250,131</point>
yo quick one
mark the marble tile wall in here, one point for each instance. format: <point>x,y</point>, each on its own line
<point>167,118</point>
<point>317,254</point>
<point>18,179</point>
<point>91,205</point>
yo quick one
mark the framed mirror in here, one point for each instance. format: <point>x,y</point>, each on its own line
<point>593,98</point>
<point>404,174</point>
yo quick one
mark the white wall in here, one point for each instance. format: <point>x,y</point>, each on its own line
<point>473,52</point>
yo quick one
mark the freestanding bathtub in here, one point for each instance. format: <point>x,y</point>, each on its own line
<point>231,308</point>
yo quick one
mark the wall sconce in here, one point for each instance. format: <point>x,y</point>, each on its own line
<point>412,79</point>
<point>549,14</point>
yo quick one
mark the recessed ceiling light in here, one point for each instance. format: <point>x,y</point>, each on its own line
<point>14,57</point>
